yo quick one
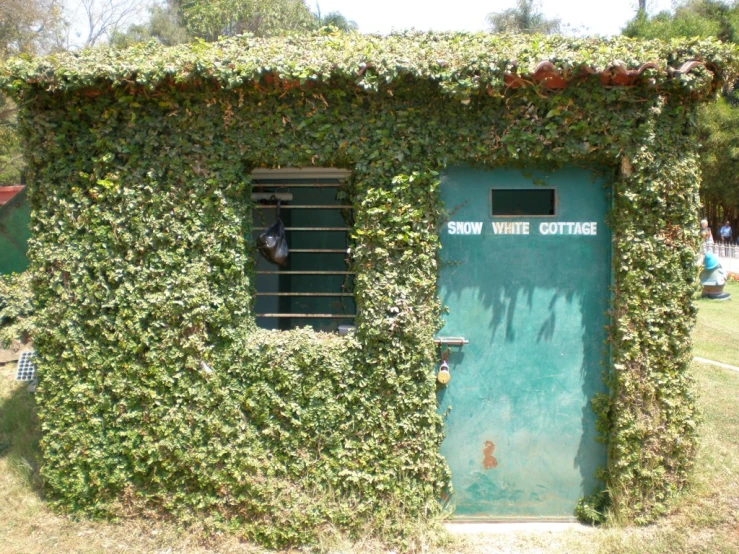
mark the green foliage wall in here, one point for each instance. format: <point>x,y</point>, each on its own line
<point>157,390</point>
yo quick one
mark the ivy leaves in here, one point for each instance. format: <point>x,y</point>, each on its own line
<point>139,163</point>
<point>463,65</point>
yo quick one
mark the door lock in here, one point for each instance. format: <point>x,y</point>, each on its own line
<point>443,376</point>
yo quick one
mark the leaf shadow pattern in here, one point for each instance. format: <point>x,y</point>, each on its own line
<point>20,433</point>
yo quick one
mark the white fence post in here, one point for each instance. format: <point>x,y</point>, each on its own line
<point>728,254</point>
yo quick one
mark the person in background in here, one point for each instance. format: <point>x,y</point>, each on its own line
<point>725,232</point>
<point>706,236</point>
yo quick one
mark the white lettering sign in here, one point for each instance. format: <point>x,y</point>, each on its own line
<point>464,227</point>
<point>568,228</point>
<point>511,227</point>
<point>589,228</point>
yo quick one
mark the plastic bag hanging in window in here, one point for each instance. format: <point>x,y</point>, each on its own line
<point>272,244</point>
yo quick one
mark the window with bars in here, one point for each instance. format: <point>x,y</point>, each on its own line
<point>315,288</point>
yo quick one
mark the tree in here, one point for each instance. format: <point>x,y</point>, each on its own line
<point>718,126</point>
<point>102,19</point>
<point>524,18</point>
<point>164,25</point>
<point>718,123</point>
<point>26,27</point>
<point>209,19</point>
<point>11,155</point>
<point>29,26</point>
<point>693,18</point>
<point>178,21</point>
<point>335,19</point>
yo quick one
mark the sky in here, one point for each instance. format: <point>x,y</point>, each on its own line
<point>591,17</point>
<point>581,17</point>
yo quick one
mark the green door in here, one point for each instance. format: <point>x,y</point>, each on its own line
<point>15,231</point>
<point>525,276</point>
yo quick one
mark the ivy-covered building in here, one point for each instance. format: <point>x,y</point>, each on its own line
<point>518,211</point>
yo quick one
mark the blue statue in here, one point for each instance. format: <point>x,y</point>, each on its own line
<point>713,278</point>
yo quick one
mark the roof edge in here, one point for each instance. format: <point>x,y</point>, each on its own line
<point>461,63</point>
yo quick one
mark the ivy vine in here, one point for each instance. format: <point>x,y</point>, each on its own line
<point>158,391</point>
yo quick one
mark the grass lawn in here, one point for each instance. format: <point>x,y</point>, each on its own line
<point>705,520</point>
<point>717,335</point>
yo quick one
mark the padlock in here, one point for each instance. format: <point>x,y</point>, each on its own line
<point>443,376</point>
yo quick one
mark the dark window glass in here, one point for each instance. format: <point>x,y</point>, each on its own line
<point>523,202</point>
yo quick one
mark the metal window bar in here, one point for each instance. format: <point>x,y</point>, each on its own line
<point>306,228</point>
<point>304,294</point>
<point>317,316</point>
<point>283,187</point>
<point>305,273</point>
<point>305,207</point>
<point>296,185</point>
<point>319,251</point>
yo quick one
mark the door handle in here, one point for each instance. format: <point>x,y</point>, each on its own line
<point>443,375</point>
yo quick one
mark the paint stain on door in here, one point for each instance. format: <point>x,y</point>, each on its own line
<point>489,461</point>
